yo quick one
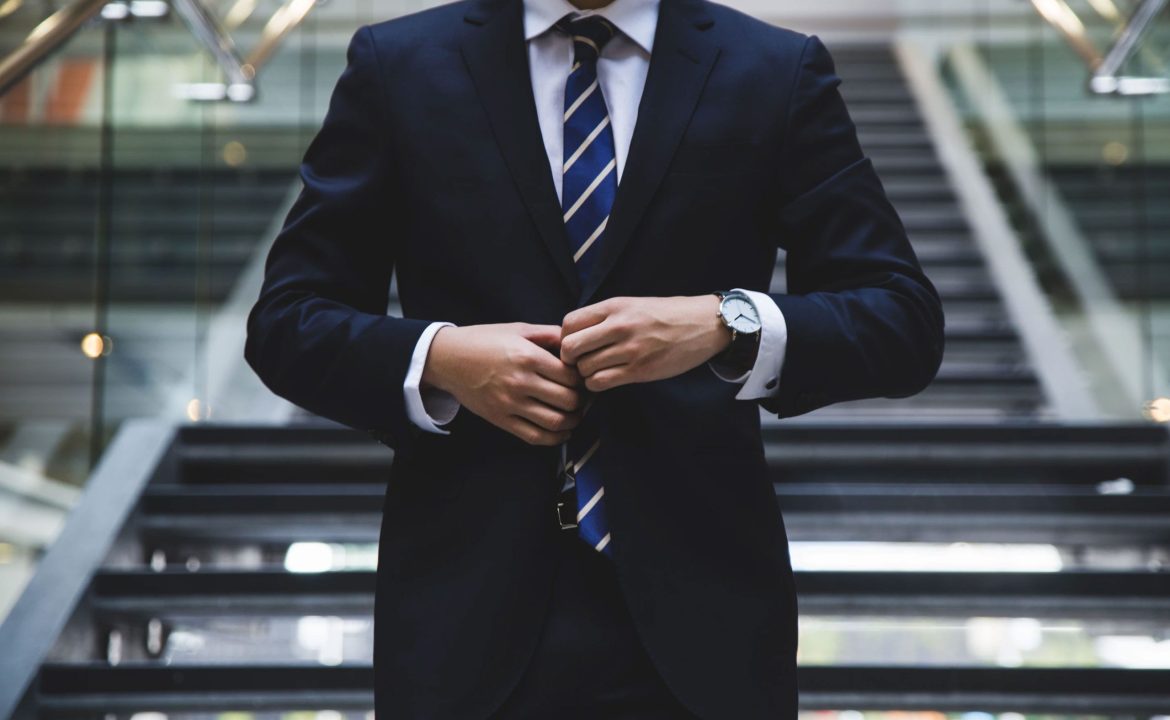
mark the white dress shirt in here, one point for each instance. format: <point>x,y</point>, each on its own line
<point>621,74</point>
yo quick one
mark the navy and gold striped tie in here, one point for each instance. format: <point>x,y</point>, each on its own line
<point>589,186</point>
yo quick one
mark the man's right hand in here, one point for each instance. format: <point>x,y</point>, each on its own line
<point>511,375</point>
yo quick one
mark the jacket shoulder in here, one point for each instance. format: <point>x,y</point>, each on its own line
<point>754,33</point>
<point>436,25</point>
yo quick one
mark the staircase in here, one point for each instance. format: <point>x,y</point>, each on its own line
<point>241,576</point>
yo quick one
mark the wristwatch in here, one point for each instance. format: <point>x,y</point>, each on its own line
<point>740,315</point>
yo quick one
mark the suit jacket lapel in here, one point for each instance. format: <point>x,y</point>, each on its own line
<point>497,58</point>
<point>679,66</point>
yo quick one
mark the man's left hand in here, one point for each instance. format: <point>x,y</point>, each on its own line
<point>640,339</point>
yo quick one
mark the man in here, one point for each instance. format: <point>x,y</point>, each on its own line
<point>579,520</point>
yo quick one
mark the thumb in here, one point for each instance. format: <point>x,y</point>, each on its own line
<point>546,336</point>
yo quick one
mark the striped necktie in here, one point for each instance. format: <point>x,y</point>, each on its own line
<point>588,188</point>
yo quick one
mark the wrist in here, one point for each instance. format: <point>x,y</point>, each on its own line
<point>433,374</point>
<point>719,334</point>
<point>744,332</point>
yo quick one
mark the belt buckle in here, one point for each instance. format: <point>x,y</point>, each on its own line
<point>566,524</point>
<point>567,500</point>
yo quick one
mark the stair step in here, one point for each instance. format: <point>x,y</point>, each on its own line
<point>70,689</point>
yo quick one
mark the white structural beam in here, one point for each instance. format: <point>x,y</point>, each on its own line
<point>1064,382</point>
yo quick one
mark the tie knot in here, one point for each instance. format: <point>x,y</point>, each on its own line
<point>590,33</point>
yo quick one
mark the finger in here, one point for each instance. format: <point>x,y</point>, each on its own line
<point>547,417</point>
<point>546,336</point>
<point>574,346</point>
<point>587,316</point>
<point>549,366</point>
<point>533,434</point>
<point>608,378</point>
<point>555,394</point>
<point>609,356</point>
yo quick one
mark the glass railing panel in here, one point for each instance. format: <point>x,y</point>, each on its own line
<point>50,142</point>
<point>1090,208</point>
<point>130,212</point>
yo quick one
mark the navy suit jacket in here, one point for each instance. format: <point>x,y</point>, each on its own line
<point>430,161</point>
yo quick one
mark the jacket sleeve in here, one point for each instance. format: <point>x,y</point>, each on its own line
<point>318,335</point>
<point>863,320</point>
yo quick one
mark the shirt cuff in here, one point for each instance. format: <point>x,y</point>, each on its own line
<point>431,407</point>
<point>763,380</point>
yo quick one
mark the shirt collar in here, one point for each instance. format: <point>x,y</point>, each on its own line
<point>637,19</point>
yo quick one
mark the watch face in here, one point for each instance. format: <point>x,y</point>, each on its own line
<point>740,314</point>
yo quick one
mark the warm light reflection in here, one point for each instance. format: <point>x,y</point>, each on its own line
<point>923,557</point>
<point>6,553</point>
<point>240,11</point>
<point>287,16</point>
<point>1115,153</point>
<point>47,26</point>
<point>1061,15</point>
<point>95,345</point>
<point>197,410</point>
<point>1158,410</point>
<point>1107,10</point>
<point>8,7</point>
<point>234,153</point>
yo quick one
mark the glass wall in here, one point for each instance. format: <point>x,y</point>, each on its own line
<point>1080,156</point>
<point>140,185</point>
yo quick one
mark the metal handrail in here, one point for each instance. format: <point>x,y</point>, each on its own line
<point>208,31</point>
<point>44,39</point>
<point>1106,78</point>
<point>1061,16</point>
<point>240,73</point>
<point>1105,68</point>
<point>286,19</point>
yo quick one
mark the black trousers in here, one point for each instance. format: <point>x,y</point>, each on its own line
<point>589,662</point>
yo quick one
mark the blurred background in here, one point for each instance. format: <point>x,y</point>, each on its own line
<point>177,542</point>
